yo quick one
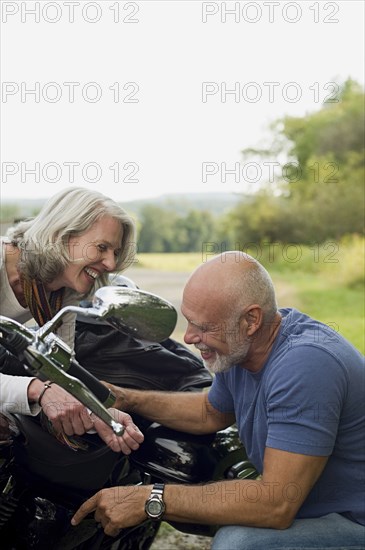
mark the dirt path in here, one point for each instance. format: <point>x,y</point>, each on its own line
<point>168,285</point>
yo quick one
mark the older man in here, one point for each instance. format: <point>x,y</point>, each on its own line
<point>294,387</point>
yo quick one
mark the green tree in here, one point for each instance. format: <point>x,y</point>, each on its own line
<point>163,230</point>
<point>200,227</point>
<point>320,193</point>
<point>9,213</point>
<point>157,229</point>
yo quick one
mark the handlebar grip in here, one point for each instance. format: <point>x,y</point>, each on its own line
<point>105,396</point>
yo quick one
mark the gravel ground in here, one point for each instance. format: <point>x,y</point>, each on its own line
<point>171,539</point>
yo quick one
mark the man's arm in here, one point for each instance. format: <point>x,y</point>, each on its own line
<point>184,411</point>
<point>272,502</point>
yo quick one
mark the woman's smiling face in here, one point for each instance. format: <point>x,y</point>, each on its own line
<point>91,254</point>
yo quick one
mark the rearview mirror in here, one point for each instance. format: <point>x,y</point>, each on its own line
<point>136,312</point>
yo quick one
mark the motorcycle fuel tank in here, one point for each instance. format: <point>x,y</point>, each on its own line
<point>184,458</point>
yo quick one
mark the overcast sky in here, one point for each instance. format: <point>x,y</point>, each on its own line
<point>138,99</point>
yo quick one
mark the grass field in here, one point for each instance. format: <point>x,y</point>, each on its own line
<point>325,281</point>
<point>339,307</point>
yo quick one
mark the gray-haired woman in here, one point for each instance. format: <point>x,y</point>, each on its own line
<point>55,259</point>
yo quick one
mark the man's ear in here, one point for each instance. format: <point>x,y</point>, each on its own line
<point>253,317</point>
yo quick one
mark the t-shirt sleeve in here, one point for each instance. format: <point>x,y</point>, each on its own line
<point>219,395</point>
<point>305,394</point>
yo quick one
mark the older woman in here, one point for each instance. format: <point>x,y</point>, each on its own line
<point>53,260</point>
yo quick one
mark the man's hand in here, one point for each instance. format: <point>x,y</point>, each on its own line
<point>116,508</point>
<point>120,395</point>
<point>72,418</point>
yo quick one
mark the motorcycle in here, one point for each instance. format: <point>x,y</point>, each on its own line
<point>43,482</point>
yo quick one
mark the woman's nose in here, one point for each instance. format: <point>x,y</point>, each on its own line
<point>109,260</point>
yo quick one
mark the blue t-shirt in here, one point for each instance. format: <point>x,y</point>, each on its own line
<point>309,399</point>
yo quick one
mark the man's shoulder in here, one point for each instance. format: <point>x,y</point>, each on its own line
<point>298,323</point>
<point>299,330</point>
<point>308,350</point>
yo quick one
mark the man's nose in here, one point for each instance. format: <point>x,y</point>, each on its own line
<point>192,335</point>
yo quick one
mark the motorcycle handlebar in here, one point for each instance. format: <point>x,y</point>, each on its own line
<point>50,359</point>
<point>101,392</point>
<point>10,364</point>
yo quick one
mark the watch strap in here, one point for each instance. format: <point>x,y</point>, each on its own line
<point>158,489</point>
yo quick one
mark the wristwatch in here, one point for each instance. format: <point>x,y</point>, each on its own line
<point>155,506</point>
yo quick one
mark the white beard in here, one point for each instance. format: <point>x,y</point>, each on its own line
<point>222,363</point>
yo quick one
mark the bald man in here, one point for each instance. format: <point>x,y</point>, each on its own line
<point>294,387</point>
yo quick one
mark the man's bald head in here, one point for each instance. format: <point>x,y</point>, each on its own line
<point>234,280</point>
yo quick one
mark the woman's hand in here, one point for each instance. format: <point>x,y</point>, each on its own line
<point>72,418</point>
<point>126,443</point>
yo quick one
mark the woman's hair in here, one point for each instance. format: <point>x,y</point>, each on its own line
<point>43,240</point>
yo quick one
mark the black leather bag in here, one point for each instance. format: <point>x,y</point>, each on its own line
<point>125,361</point>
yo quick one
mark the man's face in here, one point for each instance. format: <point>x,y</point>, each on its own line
<point>216,332</point>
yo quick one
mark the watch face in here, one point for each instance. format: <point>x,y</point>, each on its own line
<point>155,507</point>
